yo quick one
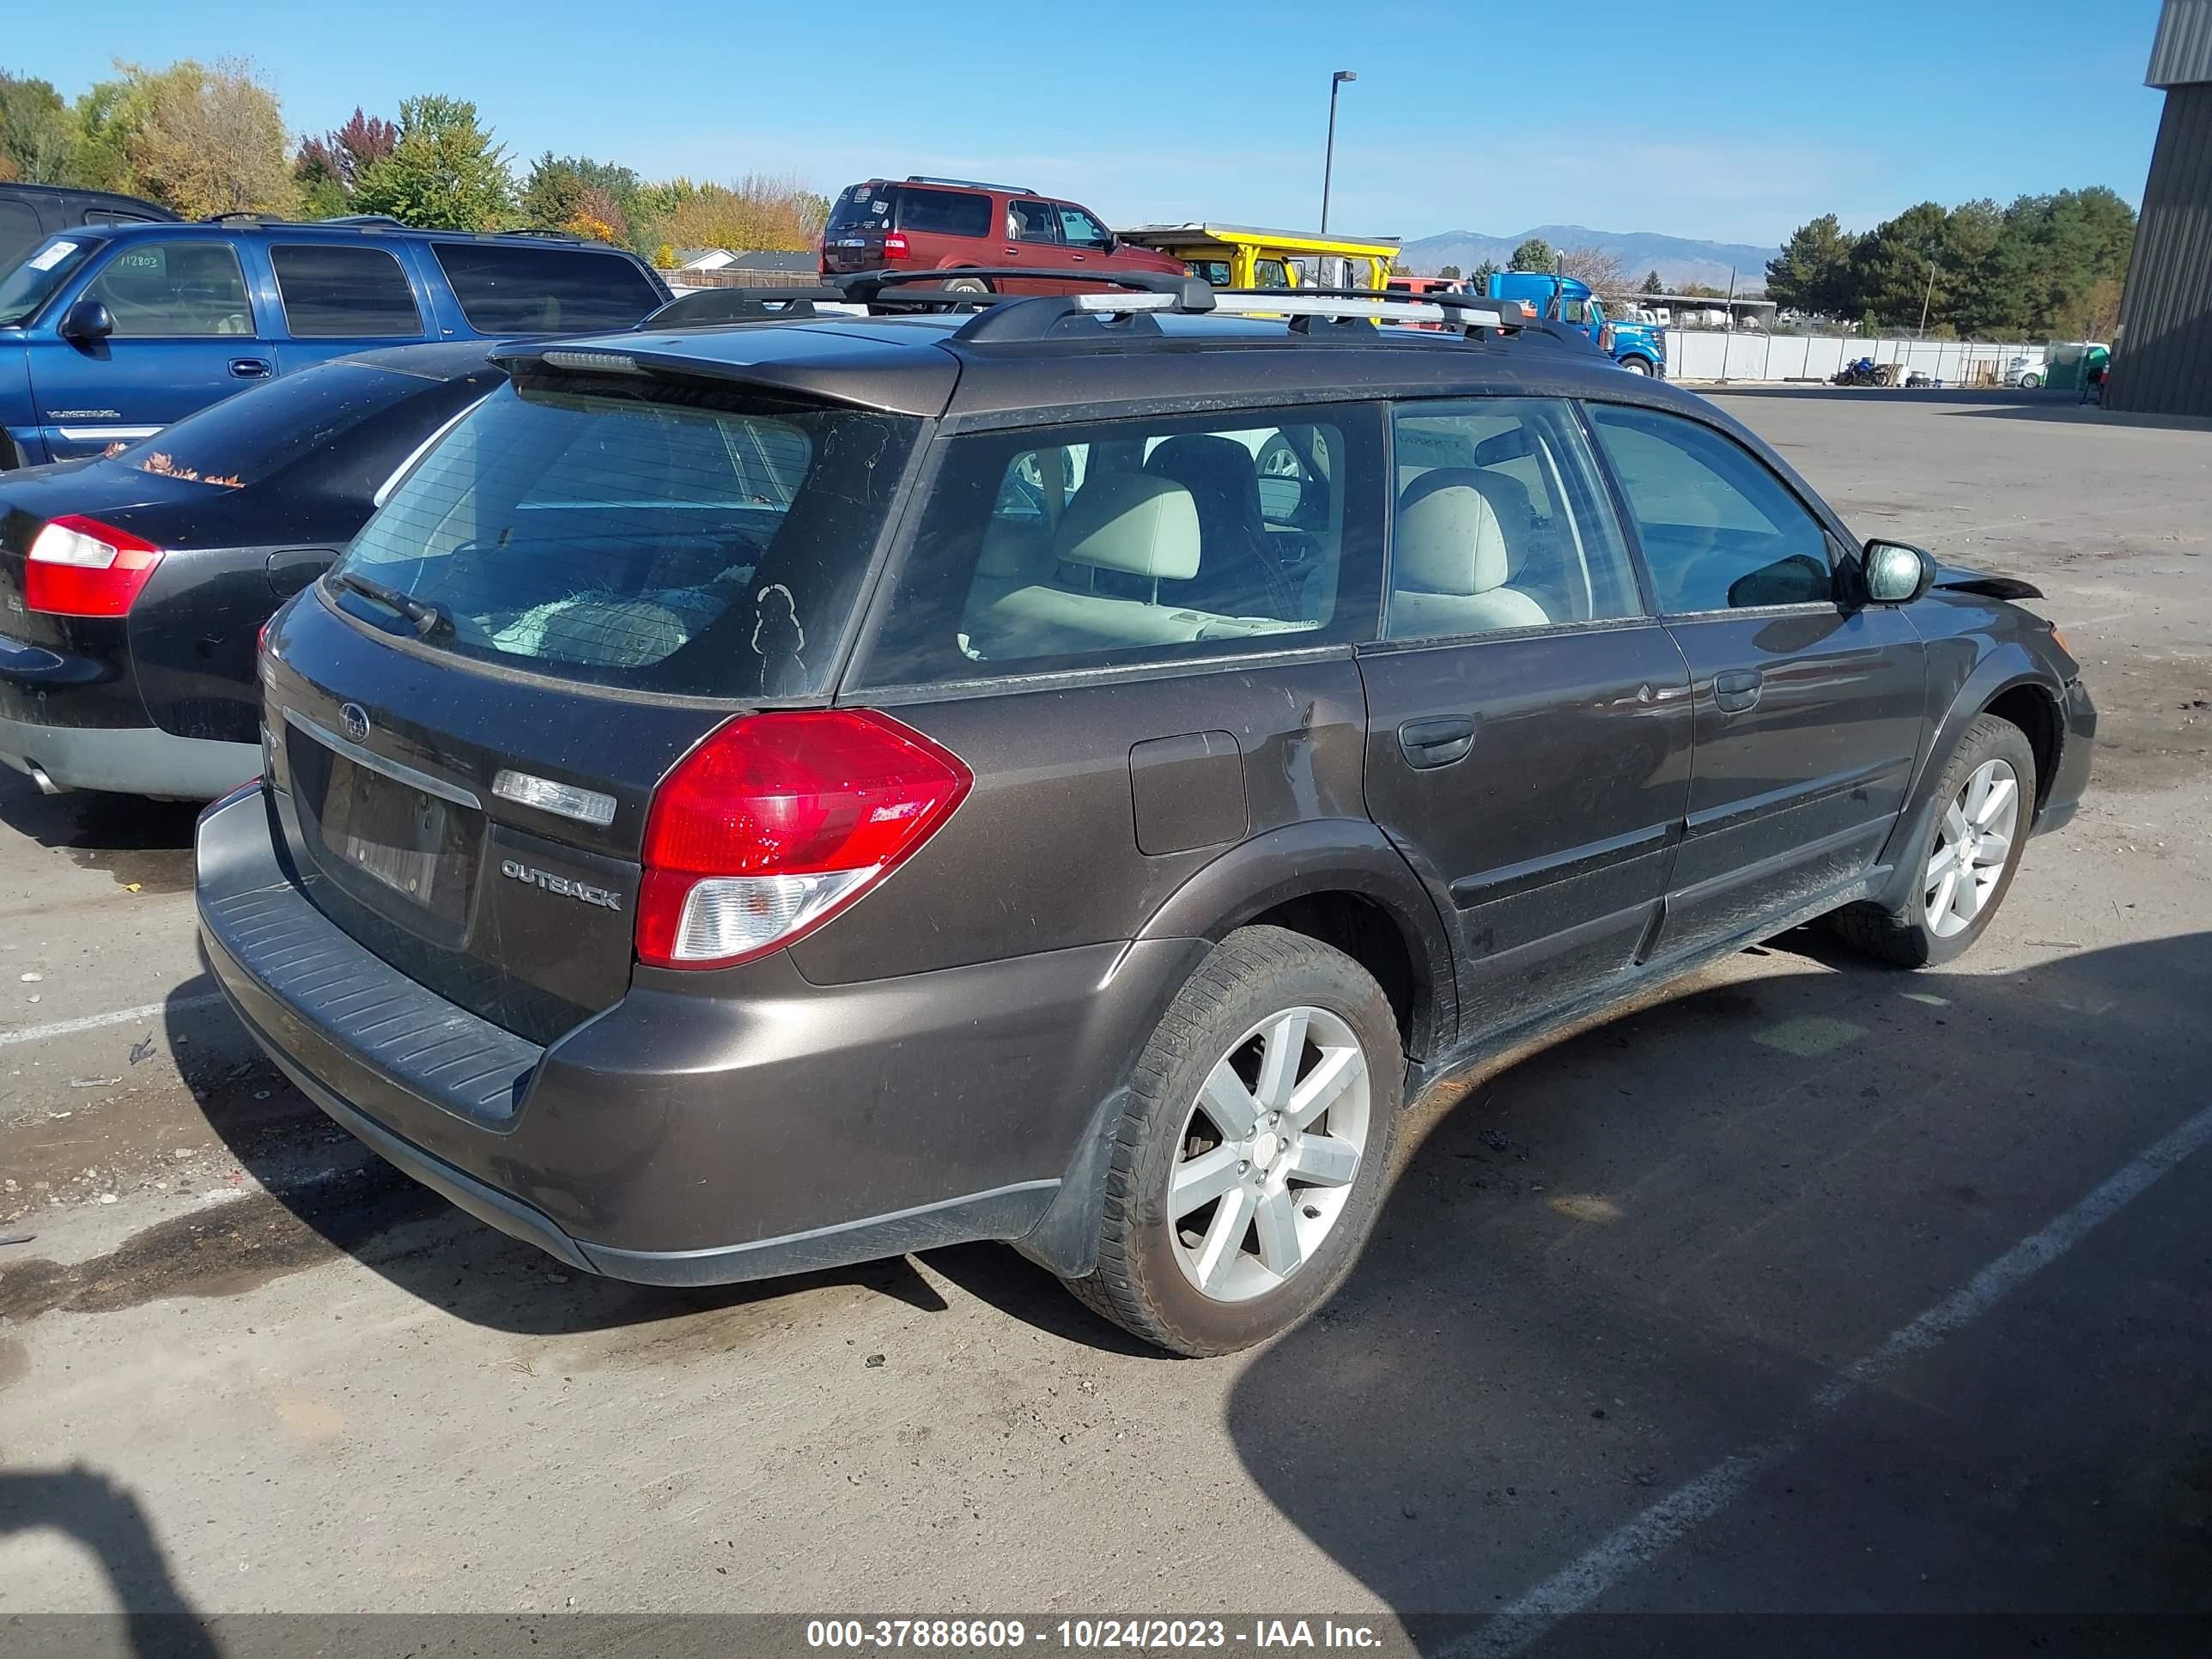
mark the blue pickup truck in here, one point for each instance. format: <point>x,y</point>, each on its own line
<point>1640,348</point>
<point>110,332</point>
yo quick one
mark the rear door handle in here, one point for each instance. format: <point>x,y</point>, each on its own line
<point>1430,743</point>
<point>1736,690</point>
<point>250,369</point>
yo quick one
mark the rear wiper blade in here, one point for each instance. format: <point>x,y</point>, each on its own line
<point>427,618</point>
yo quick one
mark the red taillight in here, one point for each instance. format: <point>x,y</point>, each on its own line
<point>776,822</point>
<point>895,246</point>
<point>79,567</point>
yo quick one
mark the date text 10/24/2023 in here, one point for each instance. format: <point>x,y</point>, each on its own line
<point>1090,1635</point>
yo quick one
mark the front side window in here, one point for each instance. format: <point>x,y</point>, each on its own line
<point>1271,273</point>
<point>1719,531</point>
<point>1029,222</point>
<point>1501,523</point>
<point>510,288</point>
<point>697,542</point>
<point>174,290</point>
<point>332,292</point>
<point>1078,230</point>
<point>943,212</point>
<point>1139,541</point>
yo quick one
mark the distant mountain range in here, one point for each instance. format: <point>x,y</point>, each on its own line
<point>1677,259</point>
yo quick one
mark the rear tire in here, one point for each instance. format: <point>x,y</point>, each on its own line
<point>1986,804</point>
<point>1249,1163</point>
<point>966,285</point>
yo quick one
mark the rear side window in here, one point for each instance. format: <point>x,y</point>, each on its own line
<point>1502,523</point>
<point>943,212</point>
<point>703,543</point>
<point>172,290</point>
<point>1719,531</point>
<point>514,288</point>
<point>345,292</point>
<point>1128,542</point>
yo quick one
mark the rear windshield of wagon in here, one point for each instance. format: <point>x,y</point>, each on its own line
<point>695,542</point>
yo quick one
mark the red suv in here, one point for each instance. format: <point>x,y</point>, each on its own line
<point>943,224</point>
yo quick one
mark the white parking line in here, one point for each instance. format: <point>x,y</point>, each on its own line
<point>120,1017</point>
<point>1634,1545</point>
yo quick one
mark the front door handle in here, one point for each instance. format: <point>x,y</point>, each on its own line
<point>250,369</point>
<point>1736,690</point>
<point>1430,743</point>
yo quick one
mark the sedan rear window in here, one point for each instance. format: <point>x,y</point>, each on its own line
<point>697,542</point>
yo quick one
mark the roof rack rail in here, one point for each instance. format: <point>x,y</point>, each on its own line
<point>966,184</point>
<point>251,216</point>
<point>365,221</point>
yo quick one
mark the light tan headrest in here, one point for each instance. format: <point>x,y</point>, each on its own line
<point>1131,521</point>
<point>1448,541</point>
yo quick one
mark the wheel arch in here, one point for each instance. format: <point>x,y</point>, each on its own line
<point>1340,881</point>
<point>2011,685</point>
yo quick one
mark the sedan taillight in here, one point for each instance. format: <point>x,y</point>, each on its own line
<point>79,567</point>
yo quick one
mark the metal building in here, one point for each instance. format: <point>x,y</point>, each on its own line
<point>2162,359</point>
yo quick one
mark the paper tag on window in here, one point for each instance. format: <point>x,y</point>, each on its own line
<point>50,255</point>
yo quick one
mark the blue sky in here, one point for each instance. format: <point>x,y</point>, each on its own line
<point>1736,129</point>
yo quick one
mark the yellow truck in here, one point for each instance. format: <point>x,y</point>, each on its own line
<point>1243,256</point>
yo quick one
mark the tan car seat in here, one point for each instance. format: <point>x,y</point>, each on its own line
<point>1450,562</point>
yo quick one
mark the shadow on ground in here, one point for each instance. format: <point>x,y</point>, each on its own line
<point>1615,1263</point>
<point>148,842</point>
<point>108,1521</point>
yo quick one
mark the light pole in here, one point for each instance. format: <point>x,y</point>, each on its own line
<point>1926,300</point>
<point>1328,160</point>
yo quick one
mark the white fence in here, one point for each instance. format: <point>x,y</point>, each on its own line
<point>1746,355</point>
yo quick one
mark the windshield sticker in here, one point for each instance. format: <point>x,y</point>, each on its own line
<point>50,255</point>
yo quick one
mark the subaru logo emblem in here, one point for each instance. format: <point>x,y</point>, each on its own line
<point>355,719</point>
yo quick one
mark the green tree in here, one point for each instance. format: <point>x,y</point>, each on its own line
<point>576,194</point>
<point>1449,273</point>
<point>1653,285</point>
<point>1535,254</point>
<point>1813,272</point>
<point>38,133</point>
<point>1893,266</point>
<point>445,173</point>
<point>1482,273</point>
<point>109,114</point>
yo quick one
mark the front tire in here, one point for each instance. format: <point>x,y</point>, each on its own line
<point>1986,804</point>
<point>1249,1163</point>
<point>1636,365</point>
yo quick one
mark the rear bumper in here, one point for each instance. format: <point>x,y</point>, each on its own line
<point>141,760</point>
<point>680,1138</point>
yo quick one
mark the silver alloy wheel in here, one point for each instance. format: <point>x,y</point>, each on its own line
<point>1269,1151</point>
<point>1974,842</point>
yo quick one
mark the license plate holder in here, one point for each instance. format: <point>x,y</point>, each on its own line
<point>398,835</point>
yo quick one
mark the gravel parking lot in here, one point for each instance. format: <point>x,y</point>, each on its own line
<point>1806,1288</point>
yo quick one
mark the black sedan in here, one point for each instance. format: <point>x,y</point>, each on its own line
<point>133,587</point>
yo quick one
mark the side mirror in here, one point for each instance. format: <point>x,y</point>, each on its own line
<point>86,322</point>
<point>1895,573</point>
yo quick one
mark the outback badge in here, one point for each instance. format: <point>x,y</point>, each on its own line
<point>515,870</point>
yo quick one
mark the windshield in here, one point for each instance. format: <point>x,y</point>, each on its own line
<point>697,542</point>
<point>317,412</point>
<point>34,279</point>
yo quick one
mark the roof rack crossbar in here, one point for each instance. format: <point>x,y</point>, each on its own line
<point>711,308</point>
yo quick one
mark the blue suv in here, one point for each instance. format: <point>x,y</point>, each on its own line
<point>110,332</point>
